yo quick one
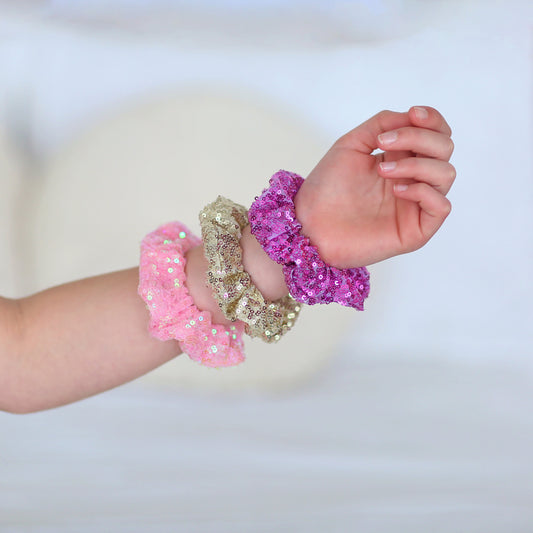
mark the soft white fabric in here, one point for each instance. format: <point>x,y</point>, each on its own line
<point>376,445</point>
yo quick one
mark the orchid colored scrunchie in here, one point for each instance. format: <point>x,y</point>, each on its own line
<point>173,314</point>
<point>273,222</point>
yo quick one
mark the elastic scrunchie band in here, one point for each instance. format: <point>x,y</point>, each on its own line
<point>273,223</point>
<point>173,314</point>
<point>239,299</point>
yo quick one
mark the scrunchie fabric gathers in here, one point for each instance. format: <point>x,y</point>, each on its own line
<point>222,223</point>
<point>273,223</point>
<point>173,314</point>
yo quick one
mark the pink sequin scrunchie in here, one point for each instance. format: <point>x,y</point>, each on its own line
<point>173,314</point>
<point>309,280</point>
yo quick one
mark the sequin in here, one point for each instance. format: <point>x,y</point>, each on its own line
<point>282,241</point>
<point>233,288</point>
<point>182,235</point>
<point>173,314</point>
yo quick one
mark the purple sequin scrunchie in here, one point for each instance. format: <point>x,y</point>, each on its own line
<point>273,222</point>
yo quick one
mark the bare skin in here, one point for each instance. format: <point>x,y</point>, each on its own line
<point>82,338</point>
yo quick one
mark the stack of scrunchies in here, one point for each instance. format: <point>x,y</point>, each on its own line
<point>273,222</point>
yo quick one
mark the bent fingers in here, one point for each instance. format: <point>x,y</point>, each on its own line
<point>434,206</point>
<point>437,173</point>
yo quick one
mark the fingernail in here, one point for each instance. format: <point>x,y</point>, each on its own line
<point>400,187</point>
<point>421,113</point>
<point>387,166</point>
<point>388,138</point>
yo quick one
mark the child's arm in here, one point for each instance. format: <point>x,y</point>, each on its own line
<point>75,340</point>
<point>79,339</point>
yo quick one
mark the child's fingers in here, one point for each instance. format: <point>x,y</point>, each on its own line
<point>418,140</point>
<point>363,138</point>
<point>435,207</point>
<point>439,174</point>
<point>429,118</point>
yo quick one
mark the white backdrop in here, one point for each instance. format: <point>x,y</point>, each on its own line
<point>422,420</point>
<point>468,292</point>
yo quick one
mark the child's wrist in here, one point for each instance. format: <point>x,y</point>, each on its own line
<point>172,282</point>
<point>310,280</point>
<point>266,274</point>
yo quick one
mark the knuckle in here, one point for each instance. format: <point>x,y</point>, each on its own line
<point>411,165</point>
<point>453,173</point>
<point>341,140</point>
<point>451,147</point>
<point>385,113</point>
<point>446,207</point>
<point>384,117</point>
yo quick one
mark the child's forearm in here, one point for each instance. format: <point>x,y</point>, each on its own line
<point>85,337</point>
<point>79,339</point>
<point>10,345</point>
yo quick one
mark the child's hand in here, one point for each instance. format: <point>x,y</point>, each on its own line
<point>359,208</point>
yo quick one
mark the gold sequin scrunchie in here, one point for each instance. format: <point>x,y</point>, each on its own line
<point>239,299</point>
